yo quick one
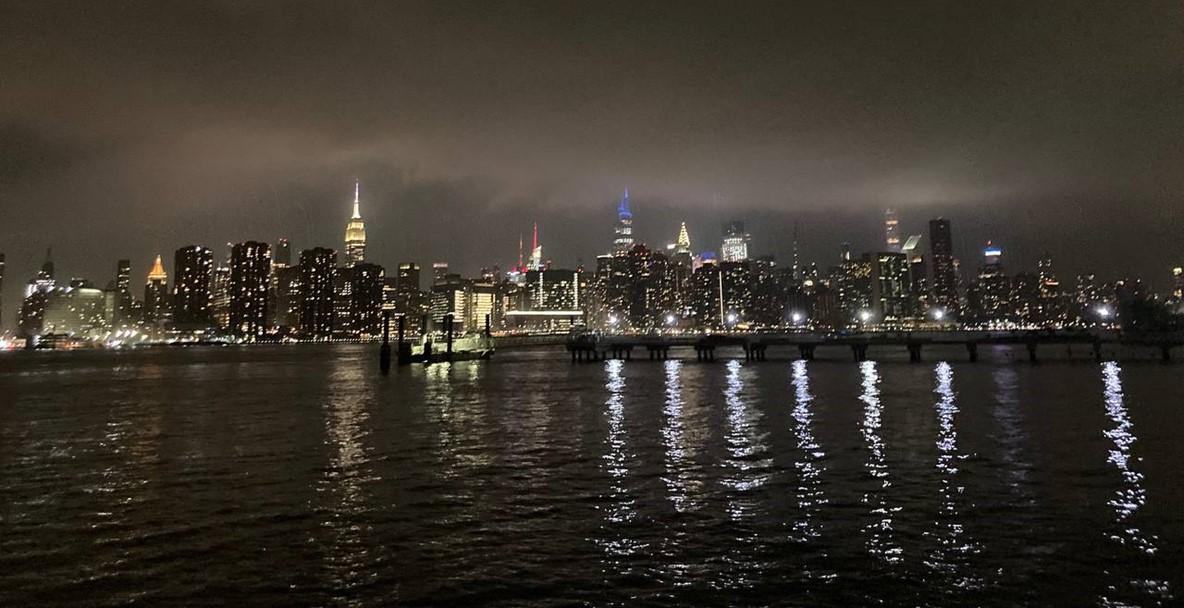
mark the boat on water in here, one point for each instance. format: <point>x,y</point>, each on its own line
<point>435,349</point>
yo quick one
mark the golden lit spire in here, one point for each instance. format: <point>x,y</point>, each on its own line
<point>157,273</point>
<point>684,239</point>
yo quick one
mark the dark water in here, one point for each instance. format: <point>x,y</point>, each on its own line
<point>298,476</point>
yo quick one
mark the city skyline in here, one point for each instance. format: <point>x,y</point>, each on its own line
<point>1026,131</point>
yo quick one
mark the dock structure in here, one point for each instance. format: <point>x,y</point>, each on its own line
<point>755,345</point>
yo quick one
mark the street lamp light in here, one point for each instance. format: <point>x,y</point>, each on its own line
<point>865,315</point>
<point>939,314</point>
<point>671,319</point>
<point>731,318</point>
<point>797,318</point>
<point>1104,312</point>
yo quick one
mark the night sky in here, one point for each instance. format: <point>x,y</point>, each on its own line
<point>128,129</point>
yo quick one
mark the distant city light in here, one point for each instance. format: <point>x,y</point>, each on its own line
<point>797,317</point>
<point>670,319</point>
<point>732,318</point>
<point>939,314</point>
<point>865,316</point>
<point>1105,312</point>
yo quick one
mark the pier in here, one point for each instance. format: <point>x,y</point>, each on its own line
<point>755,346</point>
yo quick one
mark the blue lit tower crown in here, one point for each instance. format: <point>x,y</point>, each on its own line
<point>624,229</point>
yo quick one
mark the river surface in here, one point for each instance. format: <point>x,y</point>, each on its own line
<point>300,476</point>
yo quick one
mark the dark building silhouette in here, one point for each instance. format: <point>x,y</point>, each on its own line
<point>250,271</point>
<point>317,270</point>
<point>192,267</point>
<point>124,307</point>
<point>941,255</point>
<point>366,300</point>
<point>157,309</point>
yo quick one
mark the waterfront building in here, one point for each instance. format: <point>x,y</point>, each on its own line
<point>250,272</point>
<point>284,300</point>
<point>365,315</point>
<point>854,286</point>
<point>735,242</point>
<point>124,303</point>
<point>623,232</point>
<point>989,297</point>
<point>220,296</point>
<point>355,233</point>
<point>409,299</point>
<point>944,266</point>
<point>77,310</point>
<point>317,270</point>
<point>192,267</point>
<point>891,294</point>
<point>157,307</point>
<point>706,301</point>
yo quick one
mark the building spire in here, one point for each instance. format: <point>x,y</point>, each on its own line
<point>684,239</point>
<point>157,273</point>
<point>357,200</point>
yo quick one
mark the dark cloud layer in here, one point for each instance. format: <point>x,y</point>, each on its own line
<point>128,128</point>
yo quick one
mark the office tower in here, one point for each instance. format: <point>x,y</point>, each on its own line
<point>891,294</point>
<point>989,296</point>
<point>284,300</point>
<point>854,296</point>
<point>32,311</point>
<point>706,305</point>
<point>156,294</point>
<point>945,274</point>
<point>735,244</point>
<point>449,297</point>
<point>439,272</point>
<point>736,291</point>
<point>317,269</point>
<point>77,310</point>
<point>365,316</point>
<point>250,272</point>
<point>623,231</point>
<point>220,296</point>
<point>407,277</point>
<point>355,233</point>
<point>283,253</point>
<point>192,267</point>
<point>891,231</point>
<point>124,302</point>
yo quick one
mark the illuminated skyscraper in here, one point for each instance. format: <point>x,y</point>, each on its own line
<point>735,244</point>
<point>945,276</point>
<point>124,304</point>
<point>891,231</point>
<point>220,296</point>
<point>250,271</point>
<point>624,230</point>
<point>355,233</point>
<point>192,266</point>
<point>156,294</point>
<point>317,268</point>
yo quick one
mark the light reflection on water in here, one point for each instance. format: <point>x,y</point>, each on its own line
<point>289,478</point>
<point>953,547</point>
<point>809,455</point>
<point>620,511</point>
<point>343,485</point>
<point>1130,496</point>
<point>881,539</point>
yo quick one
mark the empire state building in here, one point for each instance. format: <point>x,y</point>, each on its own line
<point>355,234</point>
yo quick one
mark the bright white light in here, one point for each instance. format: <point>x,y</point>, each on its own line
<point>939,314</point>
<point>670,319</point>
<point>797,317</point>
<point>731,317</point>
<point>865,316</point>
<point>1105,312</point>
<point>612,319</point>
